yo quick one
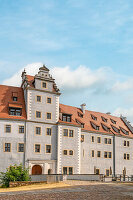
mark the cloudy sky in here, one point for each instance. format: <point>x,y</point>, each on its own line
<point>88,46</point>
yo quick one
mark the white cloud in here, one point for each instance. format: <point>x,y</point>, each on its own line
<point>66,78</point>
<point>125,112</point>
<point>123,86</point>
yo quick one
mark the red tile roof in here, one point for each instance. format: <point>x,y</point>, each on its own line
<point>30,80</point>
<point>6,99</point>
<point>87,119</point>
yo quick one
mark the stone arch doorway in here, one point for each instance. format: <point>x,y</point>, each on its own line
<point>36,170</point>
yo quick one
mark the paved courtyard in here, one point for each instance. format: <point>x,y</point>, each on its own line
<point>77,191</point>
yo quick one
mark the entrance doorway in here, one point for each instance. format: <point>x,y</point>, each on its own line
<point>36,170</point>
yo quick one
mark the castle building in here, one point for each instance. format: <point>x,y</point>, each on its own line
<point>52,138</point>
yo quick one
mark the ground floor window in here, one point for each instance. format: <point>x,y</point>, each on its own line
<point>107,172</point>
<point>64,170</point>
<point>68,170</point>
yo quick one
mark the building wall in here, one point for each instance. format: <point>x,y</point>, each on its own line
<point>87,161</point>
<point>120,149</point>
<point>68,143</point>
<point>13,157</point>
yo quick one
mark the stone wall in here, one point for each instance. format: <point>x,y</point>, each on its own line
<point>23,183</point>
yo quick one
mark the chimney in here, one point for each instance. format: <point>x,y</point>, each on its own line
<point>83,107</point>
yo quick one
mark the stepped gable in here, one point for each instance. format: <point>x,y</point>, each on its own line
<point>6,100</point>
<point>87,120</point>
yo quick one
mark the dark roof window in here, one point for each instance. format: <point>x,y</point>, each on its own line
<point>82,124</point>
<point>105,128</point>
<point>113,121</point>
<point>115,129</point>
<point>93,117</point>
<point>80,114</point>
<point>124,131</point>
<point>104,119</point>
<point>15,96</point>
<point>15,111</point>
<point>66,117</point>
<point>94,126</point>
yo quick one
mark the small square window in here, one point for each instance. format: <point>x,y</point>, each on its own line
<point>105,154</point>
<point>7,147</point>
<point>98,139</point>
<point>38,114</point>
<point>128,156</point>
<point>37,148</point>
<point>110,154</point>
<point>49,130</point>
<point>48,100</point>
<point>105,140</point>
<point>49,116</point>
<point>70,133</point>
<point>98,154</point>
<point>48,148</point>
<point>71,152</point>
<point>82,138</point>
<point>38,130</point>
<point>109,141</point>
<point>38,98</point>
<point>44,84</point>
<point>15,98</point>
<point>8,129</point>
<point>21,147</point>
<point>92,138</point>
<point>21,129</point>
<point>65,152</point>
<point>65,132</point>
<point>127,143</point>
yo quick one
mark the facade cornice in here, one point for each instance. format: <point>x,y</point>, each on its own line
<point>30,88</point>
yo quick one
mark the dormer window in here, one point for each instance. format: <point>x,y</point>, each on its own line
<point>124,131</point>
<point>105,128</point>
<point>82,124</point>
<point>44,85</point>
<point>15,111</point>
<point>115,129</point>
<point>66,117</point>
<point>80,114</point>
<point>93,117</point>
<point>15,96</point>
<point>104,119</point>
<point>94,126</point>
<point>113,121</point>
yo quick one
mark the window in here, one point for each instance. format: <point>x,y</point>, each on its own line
<point>38,130</point>
<point>107,172</point>
<point>48,148</point>
<point>94,126</point>
<point>21,129</point>
<point>98,154</point>
<point>49,100</point>
<point>82,125</point>
<point>44,84</point>
<point>70,133</point>
<point>82,138</point>
<point>15,98</point>
<point>115,129</point>
<point>107,141</point>
<point>49,116</point>
<point>92,138</point>
<point>98,139</point>
<point>126,143</point>
<point>107,154</point>
<point>15,111</point>
<point>37,148</point>
<point>65,132</point>
<point>97,171</point>
<point>70,170</point>
<point>92,153</point>
<point>71,152</point>
<point>38,98</point>
<point>49,131</point>
<point>126,156</point>
<point>113,121</point>
<point>105,128</point>
<point>21,147</point>
<point>64,170</point>
<point>8,129</point>
<point>66,118</point>
<point>80,114</point>
<point>7,147</point>
<point>93,117</point>
<point>104,119</point>
<point>124,131</point>
<point>38,114</point>
<point>65,152</point>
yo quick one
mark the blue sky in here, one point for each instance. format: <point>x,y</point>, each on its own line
<point>70,36</point>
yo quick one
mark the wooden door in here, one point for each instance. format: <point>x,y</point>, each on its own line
<point>36,170</point>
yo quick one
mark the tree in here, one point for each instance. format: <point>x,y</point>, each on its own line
<point>14,173</point>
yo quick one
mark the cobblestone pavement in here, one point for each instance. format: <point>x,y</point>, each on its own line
<point>93,191</point>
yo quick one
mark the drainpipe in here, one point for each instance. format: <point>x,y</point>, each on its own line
<point>114,155</point>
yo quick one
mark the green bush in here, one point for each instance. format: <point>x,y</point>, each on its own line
<point>14,173</point>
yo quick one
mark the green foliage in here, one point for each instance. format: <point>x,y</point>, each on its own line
<point>14,173</point>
